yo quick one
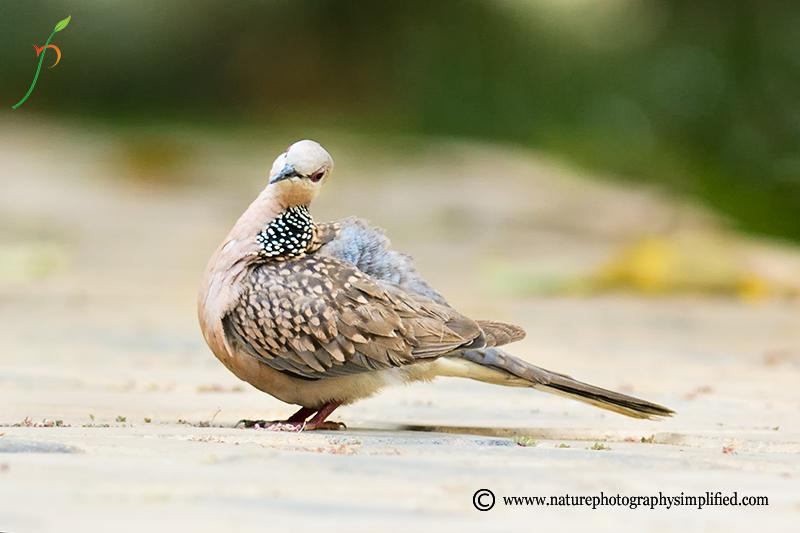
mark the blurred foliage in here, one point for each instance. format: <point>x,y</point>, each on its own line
<point>32,260</point>
<point>700,95</point>
<point>687,263</point>
<point>710,262</point>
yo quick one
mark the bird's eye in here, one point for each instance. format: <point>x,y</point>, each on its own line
<point>316,176</point>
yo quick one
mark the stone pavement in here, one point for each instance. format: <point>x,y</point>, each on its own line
<point>116,417</point>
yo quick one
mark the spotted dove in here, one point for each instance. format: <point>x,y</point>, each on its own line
<point>321,315</point>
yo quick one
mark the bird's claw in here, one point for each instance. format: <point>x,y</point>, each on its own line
<point>287,425</point>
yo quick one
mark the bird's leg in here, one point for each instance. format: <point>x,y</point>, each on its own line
<point>301,415</point>
<point>318,420</point>
<point>297,422</point>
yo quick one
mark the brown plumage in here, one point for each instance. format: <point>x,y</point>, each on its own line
<point>324,314</point>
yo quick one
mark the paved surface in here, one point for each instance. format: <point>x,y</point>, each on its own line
<point>102,241</point>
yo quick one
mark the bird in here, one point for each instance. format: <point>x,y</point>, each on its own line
<point>325,314</point>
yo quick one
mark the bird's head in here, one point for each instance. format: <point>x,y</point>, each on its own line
<point>298,173</point>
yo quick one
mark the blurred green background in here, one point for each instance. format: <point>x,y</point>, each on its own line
<point>700,95</point>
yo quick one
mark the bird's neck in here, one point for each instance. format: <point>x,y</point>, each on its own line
<point>269,210</point>
<point>242,249</point>
<point>245,245</point>
<point>291,234</point>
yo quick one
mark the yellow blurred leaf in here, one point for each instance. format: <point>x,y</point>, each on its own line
<point>30,261</point>
<point>703,263</point>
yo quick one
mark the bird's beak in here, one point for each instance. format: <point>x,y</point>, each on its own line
<point>285,173</point>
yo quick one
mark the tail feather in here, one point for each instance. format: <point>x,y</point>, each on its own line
<point>564,385</point>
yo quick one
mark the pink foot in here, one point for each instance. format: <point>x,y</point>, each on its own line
<point>297,422</point>
<point>280,425</point>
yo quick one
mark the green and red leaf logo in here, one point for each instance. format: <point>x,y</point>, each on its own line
<point>40,52</point>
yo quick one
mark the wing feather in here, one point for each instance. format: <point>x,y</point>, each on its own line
<point>356,324</point>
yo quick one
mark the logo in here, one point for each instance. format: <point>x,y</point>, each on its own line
<point>483,500</point>
<point>54,47</point>
<point>43,50</point>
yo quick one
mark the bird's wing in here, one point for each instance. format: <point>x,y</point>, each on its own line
<point>327,232</point>
<point>354,241</point>
<point>316,317</point>
<point>500,333</point>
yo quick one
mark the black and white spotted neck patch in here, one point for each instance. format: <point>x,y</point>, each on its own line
<point>289,235</point>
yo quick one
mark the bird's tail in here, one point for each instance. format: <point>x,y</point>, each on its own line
<point>506,369</point>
